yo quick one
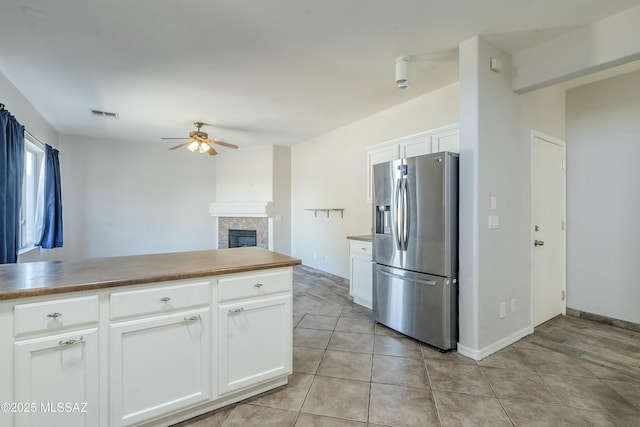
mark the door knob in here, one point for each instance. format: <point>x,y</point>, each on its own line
<point>538,243</point>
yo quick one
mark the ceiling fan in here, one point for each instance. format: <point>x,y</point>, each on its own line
<point>199,141</point>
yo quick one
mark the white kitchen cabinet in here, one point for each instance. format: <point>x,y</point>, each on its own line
<point>254,330</point>
<point>145,354</point>
<point>446,138</point>
<point>361,273</point>
<point>255,338</point>
<point>59,376</point>
<point>416,145</point>
<point>159,365</point>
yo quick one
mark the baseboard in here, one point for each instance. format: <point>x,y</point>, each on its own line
<point>496,346</point>
<point>603,319</point>
<point>337,279</point>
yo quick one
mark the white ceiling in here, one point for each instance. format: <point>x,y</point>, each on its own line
<point>259,71</point>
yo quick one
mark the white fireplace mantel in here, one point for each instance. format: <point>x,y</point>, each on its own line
<point>241,209</point>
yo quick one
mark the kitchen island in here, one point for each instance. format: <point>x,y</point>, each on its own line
<point>142,340</point>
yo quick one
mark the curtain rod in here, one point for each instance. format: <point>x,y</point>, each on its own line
<point>34,139</point>
<point>29,134</point>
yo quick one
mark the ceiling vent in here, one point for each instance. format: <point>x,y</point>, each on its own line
<point>105,114</point>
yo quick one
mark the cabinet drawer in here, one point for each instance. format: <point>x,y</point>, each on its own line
<point>361,247</point>
<point>159,299</point>
<point>253,285</point>
<point>56,314</point>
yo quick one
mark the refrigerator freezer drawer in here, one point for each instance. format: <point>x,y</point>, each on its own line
<point>421,306</point>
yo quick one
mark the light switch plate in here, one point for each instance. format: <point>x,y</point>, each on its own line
<point>494,222</point>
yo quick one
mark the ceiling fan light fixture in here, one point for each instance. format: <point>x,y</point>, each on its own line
<point>204,147</point>
<point>193,146</point>
<point>199,141</point>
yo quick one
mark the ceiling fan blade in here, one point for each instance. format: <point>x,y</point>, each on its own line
<point>211,151</point>
<point>180,145</point>
<point>224,144</point>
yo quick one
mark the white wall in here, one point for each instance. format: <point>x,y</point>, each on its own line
<point>282,199</point>
<point>609,42</point>
<point>603,203</point>
<point>25,113</point>
<point>330,171</point>
<point>245,175</point>
<point>126,198</point>
<point>495,161</point>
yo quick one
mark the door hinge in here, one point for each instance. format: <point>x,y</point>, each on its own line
<point>564,164</point>
<point>562,295</point>
<point>562,225</point>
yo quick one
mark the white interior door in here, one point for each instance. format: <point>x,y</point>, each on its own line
<point>548,235</point>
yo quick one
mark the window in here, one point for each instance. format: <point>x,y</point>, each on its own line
<point>32,170</point>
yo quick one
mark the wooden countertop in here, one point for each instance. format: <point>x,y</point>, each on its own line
<point>366,238</point>
<point>43,278</point>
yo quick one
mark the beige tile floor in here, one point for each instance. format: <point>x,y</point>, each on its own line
<point>349,371</point>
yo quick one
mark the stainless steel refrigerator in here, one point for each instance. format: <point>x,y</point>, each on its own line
<point>415,247</point>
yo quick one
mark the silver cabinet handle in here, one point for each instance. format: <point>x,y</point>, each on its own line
<point>165,299</point>
<point>257,285</point>
<point>70,342</point>
<point>192,318</point>
<point>54,315</point>
<point>237,310</point>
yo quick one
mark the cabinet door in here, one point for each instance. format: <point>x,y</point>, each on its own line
<point>59,374</point>
<point>255,339</point>
<point>416,147</point>
<point>361,279</point>
<point>446,140</point>
<point>159,365</point>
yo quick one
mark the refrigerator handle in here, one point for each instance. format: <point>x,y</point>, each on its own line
<point>398,214</point>
<point>406,279</point>
<point>405,216</point>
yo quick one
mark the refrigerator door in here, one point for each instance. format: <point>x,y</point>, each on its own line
<point>386,239</point>
<point>419,305</point>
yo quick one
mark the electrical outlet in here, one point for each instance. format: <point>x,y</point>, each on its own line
<point>503,310</point>
<point>513,305</point>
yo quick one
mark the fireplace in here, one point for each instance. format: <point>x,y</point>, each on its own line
<point>242,238</point>
<point>254,216</point>
<point>258,226</point>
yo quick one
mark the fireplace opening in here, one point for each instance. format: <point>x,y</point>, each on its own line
<point>242,238</point>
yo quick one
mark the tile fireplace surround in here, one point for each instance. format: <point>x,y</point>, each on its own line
<point>239,223</point>
<point>243,216</point>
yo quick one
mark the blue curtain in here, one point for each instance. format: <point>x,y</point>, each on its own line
<point>52,198</point>
<point>11,172</point>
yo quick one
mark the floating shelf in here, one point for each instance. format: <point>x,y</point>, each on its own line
<point>327,211</point>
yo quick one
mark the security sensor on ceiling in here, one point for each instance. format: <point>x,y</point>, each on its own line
<point>441,56</point>
<point>402,74</point>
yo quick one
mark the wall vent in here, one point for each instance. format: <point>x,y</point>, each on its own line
<point>105,114</point>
